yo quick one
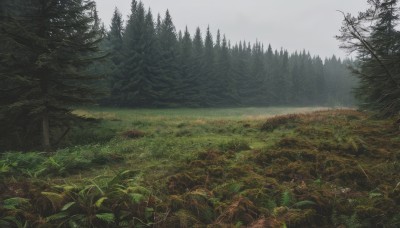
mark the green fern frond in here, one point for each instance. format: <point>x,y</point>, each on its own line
<point>235,187</point>
<point>106,217</point>
<point>57,216</point>
<point>67,206</point>
<point>122,176</point>
<point>271,204</point>
<point>303,203</point>
<point>286,198</point>
<point>4,168</point>
<point>55,198</point>
<point>100,201</point>
<point>15,203</point>
<point>137,198</point>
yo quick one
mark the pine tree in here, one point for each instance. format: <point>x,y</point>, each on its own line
<point>196,69</point>
<point>163,68</point>
<point>209,88</point>
<point>227,93</point>
<point>115,37</point>
<point>284,75</point>
<point>319,81</point>
<point>137,85</point>
<point>373,35</point>
<point>169,50</point>
<point>241,71</point>
<point>190,81</point>
<point>49,45</point>
<point>255,90</point>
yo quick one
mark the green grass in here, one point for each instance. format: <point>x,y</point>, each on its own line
<point>171,136</point>
<point>223,167</point>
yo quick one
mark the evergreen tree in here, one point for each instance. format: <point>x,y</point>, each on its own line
<point>241,71</point>
<point>373,35</point>
<point>138,83</point>
<point>173,86</point>
<point>190,81</point>
<point>163,68</point>
<point>284,75</point>
<point>319,81</point>
<point>209,88</point>
<point>49,45</point>
<point>115,37</point>
<point>196,69</point>
<point>253,86</point>
<point>223,72</point>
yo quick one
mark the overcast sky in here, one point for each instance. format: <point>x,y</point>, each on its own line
<point>291,24</point>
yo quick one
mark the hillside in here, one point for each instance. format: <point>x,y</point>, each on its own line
<point>329,168</point>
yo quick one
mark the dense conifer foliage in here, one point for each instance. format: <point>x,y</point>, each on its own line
<point>161,67</point>
<point>47,48</point>
<point>374,36</point>
<point>48,67</point>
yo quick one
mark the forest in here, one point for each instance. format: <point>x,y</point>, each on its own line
<point>140,124</point>
<point>166,68</point>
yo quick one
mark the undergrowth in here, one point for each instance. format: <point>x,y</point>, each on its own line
<point>334,168</point>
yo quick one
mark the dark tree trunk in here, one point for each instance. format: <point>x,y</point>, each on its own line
<point>46,132</point>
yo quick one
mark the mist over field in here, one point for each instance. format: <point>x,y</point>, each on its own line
<point>206,113</point>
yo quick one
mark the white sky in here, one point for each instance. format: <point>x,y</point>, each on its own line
<point>291,24</point>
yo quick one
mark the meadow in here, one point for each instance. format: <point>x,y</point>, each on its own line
<point>254,167</point>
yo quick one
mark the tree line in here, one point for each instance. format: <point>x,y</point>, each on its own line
<point>56,55</point>
<point>153,65</point>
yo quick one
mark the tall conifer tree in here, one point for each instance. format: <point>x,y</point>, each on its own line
<point>51,43</point>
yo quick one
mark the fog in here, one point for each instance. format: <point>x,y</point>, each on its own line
<point>292,24</point>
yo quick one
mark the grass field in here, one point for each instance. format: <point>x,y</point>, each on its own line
<point>257,167</point>
<point>171,134</point>
<point>176,134</point>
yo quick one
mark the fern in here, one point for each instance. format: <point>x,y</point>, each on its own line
<point>271,204</point>
<point>303,203</point>
<point>106,217</point>
<point>4,168</point>
<point>121,177</point>
<point>15,203</point>
<point>287,198</point>
<point>67,206</point>
<point>55,198</point>
<point>137,198</point>
<point>57,216</point>
<point>231,187</point>
<point>100,201</point>
<point>235,187</point>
